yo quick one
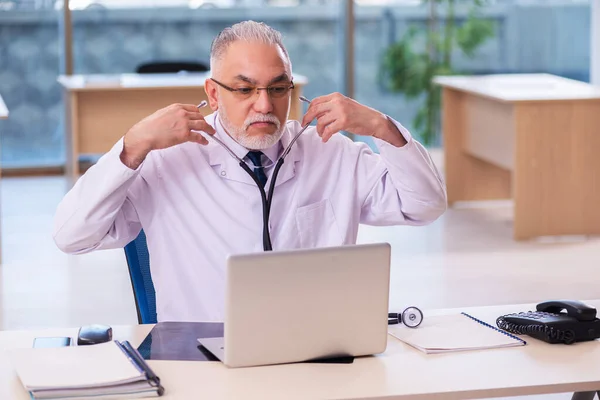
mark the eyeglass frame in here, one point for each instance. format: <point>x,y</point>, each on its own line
<point>230,89</point>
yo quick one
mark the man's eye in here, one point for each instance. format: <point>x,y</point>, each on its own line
<point>278,89</point>
<point>245,90</point>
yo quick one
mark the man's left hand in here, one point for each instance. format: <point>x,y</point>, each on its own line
<point>336,112</point>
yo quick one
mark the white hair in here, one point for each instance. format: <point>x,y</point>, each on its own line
<point>249,31</point>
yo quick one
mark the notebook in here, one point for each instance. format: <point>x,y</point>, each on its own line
<point>455,332</point>
<point>111,370</point>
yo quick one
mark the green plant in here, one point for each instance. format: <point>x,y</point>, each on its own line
<point>407,70</point>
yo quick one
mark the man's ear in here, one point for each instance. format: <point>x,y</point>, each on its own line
<point>211,92</point>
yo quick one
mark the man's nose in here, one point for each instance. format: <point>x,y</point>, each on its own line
<point>263,103</point>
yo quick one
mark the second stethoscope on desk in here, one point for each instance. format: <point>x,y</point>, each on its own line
<point>267,199</point>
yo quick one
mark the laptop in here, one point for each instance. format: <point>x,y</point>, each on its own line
<point>304,305</point>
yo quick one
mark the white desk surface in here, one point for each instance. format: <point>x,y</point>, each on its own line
<point>3,109</point>
<point>521,87</point>
<point>400,373</point>
<point>141,81</point>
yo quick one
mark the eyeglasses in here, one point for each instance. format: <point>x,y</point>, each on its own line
<point>274,91</point>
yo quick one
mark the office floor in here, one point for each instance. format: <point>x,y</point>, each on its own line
<point>467,258</point>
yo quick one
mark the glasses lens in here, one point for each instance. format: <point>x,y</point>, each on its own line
<point>279,91</point>
<point>244,92</point>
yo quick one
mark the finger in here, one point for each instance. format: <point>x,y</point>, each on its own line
<point>194,115</point>
<point>331,130</point>
<point>201,125</point>
<point>197,138</point>
<point>315,111</point>
<point>323,99</point>
<point>189,107</point>
<point>325,120</point>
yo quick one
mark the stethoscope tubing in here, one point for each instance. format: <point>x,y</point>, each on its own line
<point>266,198</point>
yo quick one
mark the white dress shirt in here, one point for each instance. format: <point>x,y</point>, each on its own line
<point>197,206</point>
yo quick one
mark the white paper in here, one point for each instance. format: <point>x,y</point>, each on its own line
<point>456,332</point>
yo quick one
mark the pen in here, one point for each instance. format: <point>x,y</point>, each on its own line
<point>137,360</point>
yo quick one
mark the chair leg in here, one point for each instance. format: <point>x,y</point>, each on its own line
<point>584,395</point>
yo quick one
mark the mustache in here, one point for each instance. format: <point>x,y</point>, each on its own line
<point>262,118</point>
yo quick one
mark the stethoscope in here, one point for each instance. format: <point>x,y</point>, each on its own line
<point>266,199</point>
<point>411,317</point>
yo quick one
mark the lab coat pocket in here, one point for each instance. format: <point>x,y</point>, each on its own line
<point>317,226</point>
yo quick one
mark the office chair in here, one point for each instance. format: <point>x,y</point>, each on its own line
<point>138,261</point>
<point>163,67</point>
<point>585,395</point>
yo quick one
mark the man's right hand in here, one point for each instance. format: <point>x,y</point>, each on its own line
<point>167,127</point>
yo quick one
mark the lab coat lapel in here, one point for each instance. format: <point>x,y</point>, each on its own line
<point>228,167</point>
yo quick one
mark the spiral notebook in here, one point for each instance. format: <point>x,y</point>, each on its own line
<point>455,332</point>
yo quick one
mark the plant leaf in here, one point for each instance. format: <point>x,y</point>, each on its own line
<point>473,33</point>
<point>403,69</point>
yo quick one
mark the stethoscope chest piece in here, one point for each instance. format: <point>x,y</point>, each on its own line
<point>411,317</point>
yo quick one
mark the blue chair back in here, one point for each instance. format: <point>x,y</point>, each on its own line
<point>138,261</point>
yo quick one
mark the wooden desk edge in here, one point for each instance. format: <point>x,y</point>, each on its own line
<point>442,82</point>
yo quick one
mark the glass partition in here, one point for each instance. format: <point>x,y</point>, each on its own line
<point>30,55</point>
<point>118,36</point>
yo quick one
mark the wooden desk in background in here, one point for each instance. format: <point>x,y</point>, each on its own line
<point>401,372</point>
<point>3,115</point>
<point>530,137</point>
<point>100,109</point>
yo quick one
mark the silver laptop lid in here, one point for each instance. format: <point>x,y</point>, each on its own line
<point>299,305</point>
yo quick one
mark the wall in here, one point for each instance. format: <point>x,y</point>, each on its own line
<point>530,38</point>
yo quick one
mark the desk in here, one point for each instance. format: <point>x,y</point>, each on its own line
<point>530,137</point>
<point>400,373</point>
<point>100,109</point>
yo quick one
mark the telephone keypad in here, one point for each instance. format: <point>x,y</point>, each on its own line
<point>535,315</point>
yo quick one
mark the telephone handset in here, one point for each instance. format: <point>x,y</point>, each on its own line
<point>550,324</point>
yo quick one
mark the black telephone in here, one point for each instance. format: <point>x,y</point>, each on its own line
<point>552,325</point>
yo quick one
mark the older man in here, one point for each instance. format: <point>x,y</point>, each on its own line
<point>197,205</point>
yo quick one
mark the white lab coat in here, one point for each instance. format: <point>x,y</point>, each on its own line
<point>197,206</point>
